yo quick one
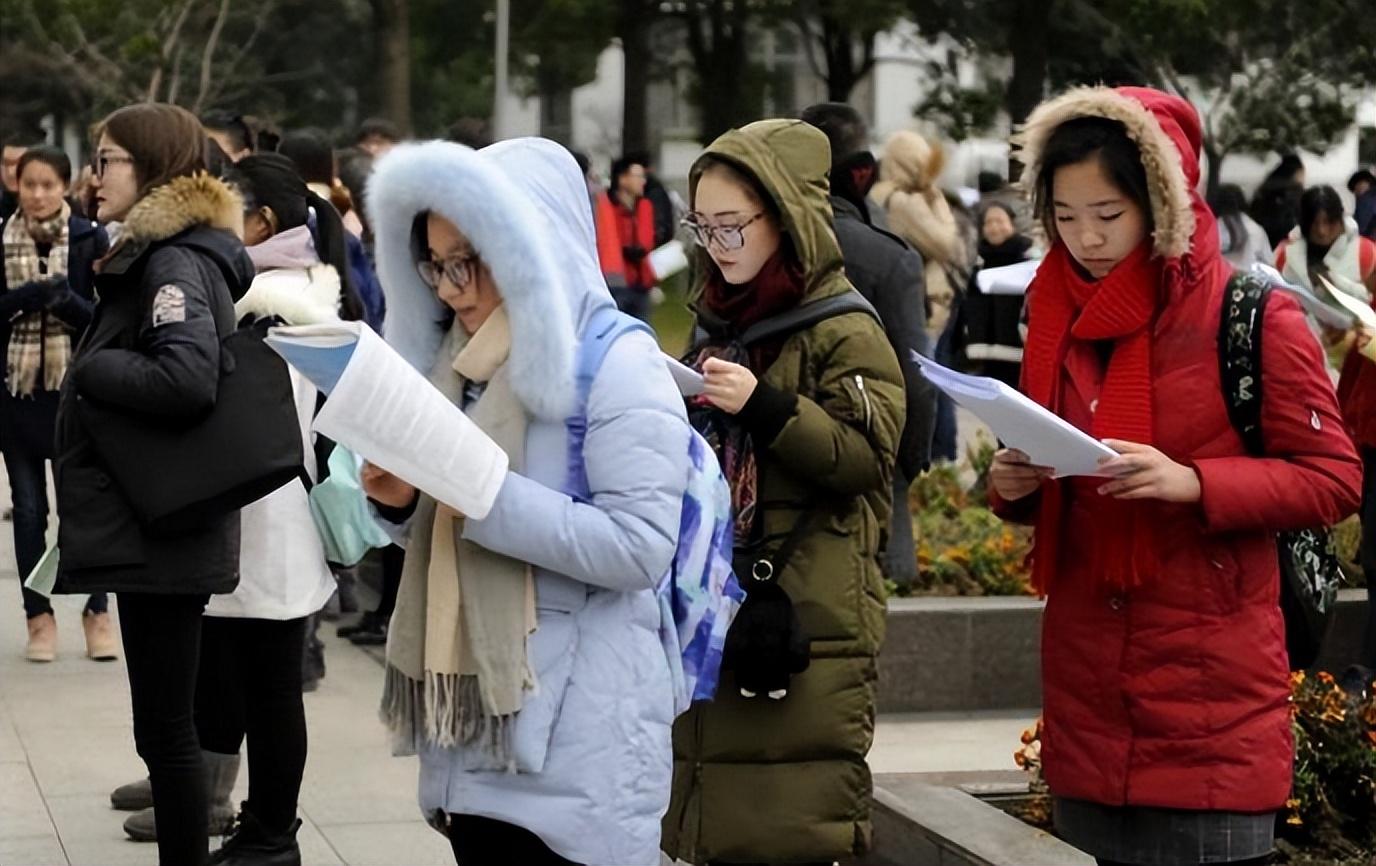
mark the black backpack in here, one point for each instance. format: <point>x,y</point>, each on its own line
<point>1309,566</point>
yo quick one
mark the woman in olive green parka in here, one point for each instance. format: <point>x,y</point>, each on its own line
<point>758,780</point>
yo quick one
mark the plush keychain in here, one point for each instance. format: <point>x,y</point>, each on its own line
<point>766,645</point>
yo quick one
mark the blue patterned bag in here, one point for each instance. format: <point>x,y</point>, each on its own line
<point>699,596</point>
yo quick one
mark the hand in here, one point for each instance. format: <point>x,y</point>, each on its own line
<point>382,486</point>
<point>1142,472</point>
<point>1014,475</point>
<point>726,385</point>
<point>56,292</point>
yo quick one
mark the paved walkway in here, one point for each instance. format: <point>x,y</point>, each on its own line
<point>66,742</point>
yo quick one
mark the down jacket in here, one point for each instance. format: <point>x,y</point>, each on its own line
<point>592,743</point>
<point>786,781</point>
<point>282,569</point>
<point>167,293</point>
<point>1175,693</point>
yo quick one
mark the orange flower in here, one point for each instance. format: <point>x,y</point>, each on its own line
<point>1296,679</point>
<point>1295,821</point>
<point>1326,678</point>
<point>1371,735</point>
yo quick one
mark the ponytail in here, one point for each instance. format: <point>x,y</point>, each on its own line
<point>332,247</point>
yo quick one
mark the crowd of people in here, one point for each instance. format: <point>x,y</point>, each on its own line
<point>525,662</point>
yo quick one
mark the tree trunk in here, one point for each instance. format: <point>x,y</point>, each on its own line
<point>722,66</point>
<point>1027,38</point>
<point>635,47</point>
<point>1215,157</point>
<point>392,21</point>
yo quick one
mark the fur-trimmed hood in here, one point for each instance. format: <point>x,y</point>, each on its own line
<point>911,163</point>
<point>181,203</point>
<point>524,206</point>
<point>1167,130</point>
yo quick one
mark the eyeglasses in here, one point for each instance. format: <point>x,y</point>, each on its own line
<point>458,269</point>
<point>101,161</point>
<point>727,238</point>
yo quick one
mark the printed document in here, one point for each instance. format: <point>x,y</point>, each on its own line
<point>380,408</point>
<point>688,380</point>
<point>1007,280</point>
<point>1020,422</point>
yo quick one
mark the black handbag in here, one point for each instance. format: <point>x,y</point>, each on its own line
<point>177,478</point>
<point>1309,566</point>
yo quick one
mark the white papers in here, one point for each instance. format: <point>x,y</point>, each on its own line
<point>668,260</point>
<point>1326,314</point>
<point>1361,311</point>
<point>1020,422</point>
<point>1007,280</point>
<point>688,380</point>
<point>44,575</point>
<point>380,408</point>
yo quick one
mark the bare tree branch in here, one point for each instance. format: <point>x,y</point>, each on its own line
<point>170,46</point>
<point>208,56</point>
<point>260,24</point>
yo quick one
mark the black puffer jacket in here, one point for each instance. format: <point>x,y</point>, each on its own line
<point>888,272</point>
<point>167,298</point>
<point>27,423</point>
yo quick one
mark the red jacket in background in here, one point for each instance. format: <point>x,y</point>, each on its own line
<point>618,228</point>
<point>1175,693</point>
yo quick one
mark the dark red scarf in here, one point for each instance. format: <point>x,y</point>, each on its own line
<point>1066,306</point>
<point>777,288</point>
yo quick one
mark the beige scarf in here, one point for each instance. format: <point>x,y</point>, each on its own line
<point>40,346</point>
<point>457,671</point>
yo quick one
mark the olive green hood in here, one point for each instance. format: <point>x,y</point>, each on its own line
<point>791,160</point>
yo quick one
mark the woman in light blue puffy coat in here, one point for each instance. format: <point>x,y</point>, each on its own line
<point>524,665</point>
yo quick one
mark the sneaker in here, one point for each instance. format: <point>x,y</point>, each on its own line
<point>42,646</point>
<point>252,844</point>
<point>101,645</point>
<point>133,796</point>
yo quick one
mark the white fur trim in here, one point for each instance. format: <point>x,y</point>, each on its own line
<point>1166,183</point>
<point>300,297</point>
<point>506,231</point>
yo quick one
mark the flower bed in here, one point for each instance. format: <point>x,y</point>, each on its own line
<point>1330,818</point>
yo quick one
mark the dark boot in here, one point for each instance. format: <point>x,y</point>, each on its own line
<point>221,771</point>
<point>133,796</point>
<point>369,621</point>
<point>255,845</point>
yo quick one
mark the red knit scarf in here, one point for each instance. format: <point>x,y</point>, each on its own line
<point>1065,306</point>
<point>777,288</point>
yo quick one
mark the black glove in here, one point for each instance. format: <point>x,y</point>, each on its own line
<point>27,298</point>
<point>766,645</point>
<point>633,254</point>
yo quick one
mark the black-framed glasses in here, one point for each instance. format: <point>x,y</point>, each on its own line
<point>458,269</point>
<point>103,160</point>
<point>727,238</point>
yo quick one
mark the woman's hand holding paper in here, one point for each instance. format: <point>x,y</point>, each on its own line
<point>1014,476</point>
<point>727,386</point>
<point>384,487</point>
<point>1142,472</point>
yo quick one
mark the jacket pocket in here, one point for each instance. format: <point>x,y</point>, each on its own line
<point>96,528</point>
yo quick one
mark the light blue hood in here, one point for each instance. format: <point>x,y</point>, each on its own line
<point>524,205</point>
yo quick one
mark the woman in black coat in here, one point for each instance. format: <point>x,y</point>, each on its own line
<point>45,304</point>
<point>167,293</point>
<point>993,338</point>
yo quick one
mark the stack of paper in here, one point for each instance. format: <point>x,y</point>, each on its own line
<point>1020,422</point>
<point>1007,280</point>
<point>380,408</point>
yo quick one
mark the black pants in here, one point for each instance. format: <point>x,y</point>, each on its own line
<point>1368,553</point>
<point>484,842</point>
<point>250,685</point>
<point>162,644</point>
<point>28,474</point>
<point>393,560</point>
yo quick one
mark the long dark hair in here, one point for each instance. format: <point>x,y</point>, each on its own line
<point>1229,203</point>
<point>1319,200</point>
<point>270,180</point>
<point>1084,138</point>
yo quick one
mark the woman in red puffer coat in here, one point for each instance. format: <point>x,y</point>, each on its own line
<point>1165,682</point>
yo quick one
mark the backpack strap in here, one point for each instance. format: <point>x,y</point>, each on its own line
<point>1239,356</point>
<point>807,315</point>
<point>605,325</point>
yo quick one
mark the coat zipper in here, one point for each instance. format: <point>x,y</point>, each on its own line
<point>865,396</point>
